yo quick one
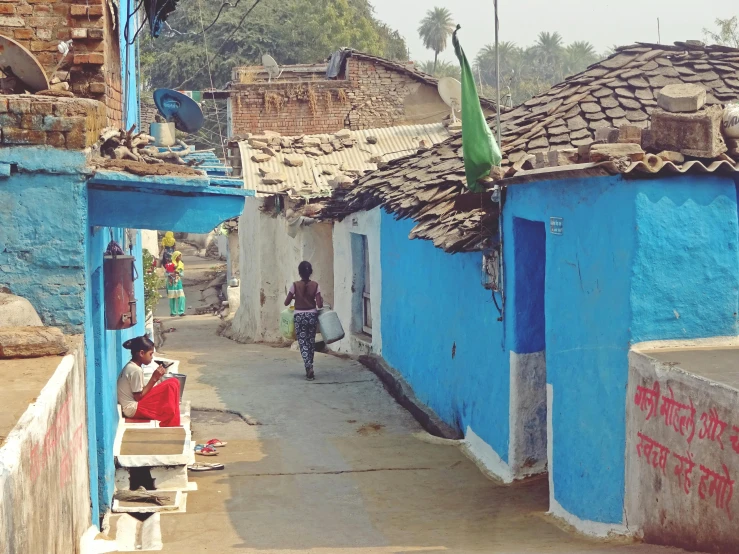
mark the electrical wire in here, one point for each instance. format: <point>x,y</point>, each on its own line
<point>223,45</point>
<point>210,76</point>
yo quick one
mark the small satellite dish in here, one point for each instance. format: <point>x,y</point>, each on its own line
<point>180,109</point>
<point>271,67</point>
<point>16,61</point>
<point>450,91</point>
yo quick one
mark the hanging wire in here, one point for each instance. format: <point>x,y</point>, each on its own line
<point>223,45</point>
<point>210,76</point>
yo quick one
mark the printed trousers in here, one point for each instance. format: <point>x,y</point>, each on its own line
<point>305,330</point>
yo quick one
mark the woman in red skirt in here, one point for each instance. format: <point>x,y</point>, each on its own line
<point>160,402</point>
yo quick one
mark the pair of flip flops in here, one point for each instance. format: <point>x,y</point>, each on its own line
<point>209,448</point>
<point>203,466</point>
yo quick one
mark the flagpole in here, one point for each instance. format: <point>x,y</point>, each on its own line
<point>497,77</point>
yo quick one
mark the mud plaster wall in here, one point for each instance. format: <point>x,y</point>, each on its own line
<point>94,61</point>
<point>269,260</point>
<point>681,488</point>
<point>42,235</point>
<point>375,97</point>
<point>44,486</point>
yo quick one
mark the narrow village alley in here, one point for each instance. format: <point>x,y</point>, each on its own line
<point>335,465</point>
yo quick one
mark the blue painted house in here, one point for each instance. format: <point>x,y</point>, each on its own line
<point>594,258</point>
<point>59,211</point>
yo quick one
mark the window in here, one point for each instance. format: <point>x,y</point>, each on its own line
<point>366,302</point>
<point>361,289</point>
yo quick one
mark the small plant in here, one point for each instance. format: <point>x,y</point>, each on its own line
<point>247,77</point>
<point>273,102</point>
<point>152,283</point>
<point>329,100</point>
<point>312,98</point>
<point>342,96</point>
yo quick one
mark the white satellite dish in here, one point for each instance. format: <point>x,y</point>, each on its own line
<point>271,67</point>
<point>450,91</point>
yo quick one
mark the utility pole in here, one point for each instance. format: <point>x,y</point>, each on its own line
<point>497,76</point>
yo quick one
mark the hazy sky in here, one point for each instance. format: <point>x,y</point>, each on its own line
<point>601,22</point>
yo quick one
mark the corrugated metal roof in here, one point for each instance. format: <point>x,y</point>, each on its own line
<point>309,180</point>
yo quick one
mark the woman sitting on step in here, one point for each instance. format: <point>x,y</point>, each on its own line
<point>160,402</point>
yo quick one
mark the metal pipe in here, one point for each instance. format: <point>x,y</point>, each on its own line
<point>497,77</point>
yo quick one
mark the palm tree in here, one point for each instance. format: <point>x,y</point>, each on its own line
<point>435,29</point>
<point>549,51</point>
<point>577,56</point>
<point>443,69</point>
<point>485,61</point>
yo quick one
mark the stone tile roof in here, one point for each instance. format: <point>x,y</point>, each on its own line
<point>430,187</point>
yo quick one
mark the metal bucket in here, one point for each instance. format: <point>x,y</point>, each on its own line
<point>163,133</point>
<point>181,377</point>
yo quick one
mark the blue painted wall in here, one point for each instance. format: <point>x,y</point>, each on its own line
<point>440,330</point>
<point>105,348</point>
<point>630,253</point>
<point>42,233</point>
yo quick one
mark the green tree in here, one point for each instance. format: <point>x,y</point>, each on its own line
<point>435,29</point>
<point>292,31</point>
<point>727,33</point>
<point>443,69</point>
<point>578,56</point>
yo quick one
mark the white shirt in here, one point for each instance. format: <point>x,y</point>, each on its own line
<point>130,381</point>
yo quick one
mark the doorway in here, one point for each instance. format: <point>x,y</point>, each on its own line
<point>528,415</point>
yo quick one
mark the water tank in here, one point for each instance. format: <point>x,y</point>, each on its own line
<point>330,326</point>
<point>119,273</point>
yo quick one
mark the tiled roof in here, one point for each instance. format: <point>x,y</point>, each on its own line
<point>618,91</point>
<point>313,178</point>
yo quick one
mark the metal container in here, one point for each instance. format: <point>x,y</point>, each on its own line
<point>181,377</point>
<point>163,133</point>
<point>119,273</point>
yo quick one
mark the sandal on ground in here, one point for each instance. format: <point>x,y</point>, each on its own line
<point>203,466</point>
<point>310,375</point>
<point>216,443</point>
<point>204,450</point>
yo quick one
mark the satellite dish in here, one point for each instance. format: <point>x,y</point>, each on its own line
<point>182,110</point>
<point>271,67</point>
<point>450,91</point>
<point>16,61</point>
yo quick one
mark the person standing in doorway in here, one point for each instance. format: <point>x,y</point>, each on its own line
<point>308,301</point>
<point>175,292</point>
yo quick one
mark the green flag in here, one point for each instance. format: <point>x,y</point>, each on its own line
<point>480,150</point>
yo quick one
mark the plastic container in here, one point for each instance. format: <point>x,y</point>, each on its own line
<point>287,323</point>
<point>330,326</point>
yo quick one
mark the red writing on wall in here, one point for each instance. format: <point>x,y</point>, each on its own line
<point>681,418</point>
<point>43,451</point>
<point>70,455</point>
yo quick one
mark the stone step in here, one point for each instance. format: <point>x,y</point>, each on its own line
<point>154,446</point>
<point>132,535</point>
<point>177,504</point>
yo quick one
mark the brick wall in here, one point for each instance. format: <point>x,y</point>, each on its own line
<point>69,123</point>
<point>375,97</point>
<point>94,61</point>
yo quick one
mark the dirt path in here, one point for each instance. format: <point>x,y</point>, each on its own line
<point>336,466</point>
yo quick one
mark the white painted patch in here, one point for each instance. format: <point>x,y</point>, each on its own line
<point>527,448</point>
<point>368,224</point>
<point>486,459</point>
<point>268,259</point>
<point>711,342</point>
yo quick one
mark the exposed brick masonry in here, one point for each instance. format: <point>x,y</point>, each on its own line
<point>374,98</point>
<point>94,61</point>
<point>71,123</point>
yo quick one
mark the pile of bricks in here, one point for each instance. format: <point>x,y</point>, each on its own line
<point>375,97</point>
<point>69,123</point>
<point>94,61</point>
